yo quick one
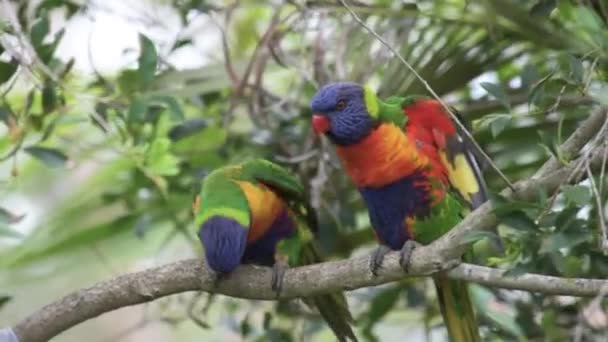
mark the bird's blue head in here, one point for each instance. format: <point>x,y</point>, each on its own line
<point>345,112</point>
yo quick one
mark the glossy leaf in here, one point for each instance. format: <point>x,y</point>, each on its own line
<point>147,60</point>
<point>543,8</point>
<point>577,194</point>
<point>4,299</point>
<point>498,92</point>
<point>49,156</point>
<point>159,159</point>
<point>7,70</point>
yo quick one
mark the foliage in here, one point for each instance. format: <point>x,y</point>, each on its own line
<point>128,150</point>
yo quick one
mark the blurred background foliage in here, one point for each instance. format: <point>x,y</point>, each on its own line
<point>112,112</point>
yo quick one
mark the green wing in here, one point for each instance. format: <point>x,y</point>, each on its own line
<point>220,195</point>
<point>273,175</point>
<point>285,184</point>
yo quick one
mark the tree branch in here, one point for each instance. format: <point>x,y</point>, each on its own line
<point>253,282</point>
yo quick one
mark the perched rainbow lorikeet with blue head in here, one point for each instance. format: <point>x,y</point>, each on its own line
<point>415,173</point>
<point>256,212</point>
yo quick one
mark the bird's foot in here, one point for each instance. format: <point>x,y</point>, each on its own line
<point>218,278</point>
<point>405,254</point>
<point>377,257</point>
<point>278,273</point>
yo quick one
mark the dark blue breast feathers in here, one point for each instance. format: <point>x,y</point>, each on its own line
<point>389,205</point>
<point>262,251</point>
<point>224,240</point>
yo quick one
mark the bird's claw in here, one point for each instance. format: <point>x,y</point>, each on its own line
<point>218,278</point>
<point>406,253</point>
<point>377,257</point>
<point>278,273</point>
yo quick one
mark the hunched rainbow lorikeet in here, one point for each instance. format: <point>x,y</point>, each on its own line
<point>256,212</point>
<point>416,176</point>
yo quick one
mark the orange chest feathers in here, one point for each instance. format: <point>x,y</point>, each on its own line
<point>383,157</point>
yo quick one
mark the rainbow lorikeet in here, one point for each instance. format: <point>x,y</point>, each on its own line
<point>415,173</point>
<point>256,212</point>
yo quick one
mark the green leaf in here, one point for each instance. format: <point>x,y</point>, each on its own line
<point>497,91</point>
<point>245,327</point>
<point>529,75</point>
<point>147,60</point>
<point>549,144</point>
<point>128,81</point>
<point>586,18</point>
<point>7,70</point>
<point>556,241</point>
<point>8,217</point>
<point>46,51</point>
<point>500,312</point>
<point>73,239</point>
<point>6,231</point>
<point>5,114</point>
<point>496,123</point>
<point>382,303</point>
<point>49,97</point>
<point>552,243</point>
<point>39,31</point>
<point>499,124</point>
<point>159,159</point>
<point>543,8</point>
<point>537,91</point>
<point>502,207</point>
<point>171,103</point>
<point>49,156</point>
<point>186,128</point>
<point>275,335</point>
<point>137,110</point>
<point>576,69</point>
<point>4,299</point>
<point>267,320</point>
<point>519,220</point>
<point>476,235</point>
<point>577,194</point>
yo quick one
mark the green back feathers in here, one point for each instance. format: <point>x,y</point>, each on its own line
<point>285,184</point>
<point>443,217</point>
<point>220,195</point>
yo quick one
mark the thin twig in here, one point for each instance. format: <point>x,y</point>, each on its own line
<point>430,90</point>
<point>600,210</point>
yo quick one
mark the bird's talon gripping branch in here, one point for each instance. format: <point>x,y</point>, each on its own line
<point>278,273</point>
<point>217,279</point>
<point>406,253</point>
<point>377,258</point>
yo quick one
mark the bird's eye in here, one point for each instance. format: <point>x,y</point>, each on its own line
<point>341,105</point>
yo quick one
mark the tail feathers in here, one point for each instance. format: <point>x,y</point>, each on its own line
<point>334,310</point>
<point>457,309</point>
<point>333,307</point>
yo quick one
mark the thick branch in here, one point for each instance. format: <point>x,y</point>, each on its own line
<point>252,282</point>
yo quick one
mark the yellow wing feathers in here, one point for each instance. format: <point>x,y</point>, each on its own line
<point>461,175</point>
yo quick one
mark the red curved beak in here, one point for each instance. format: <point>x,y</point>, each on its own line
<point>320,124</point>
